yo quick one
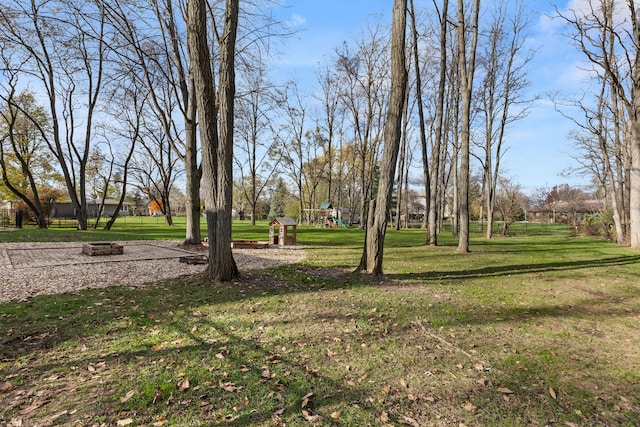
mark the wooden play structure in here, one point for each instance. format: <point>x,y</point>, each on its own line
<point>279,231</point>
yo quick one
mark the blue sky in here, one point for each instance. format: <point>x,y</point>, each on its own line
<point>539,150</point>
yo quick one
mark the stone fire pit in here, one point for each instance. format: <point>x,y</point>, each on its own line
<point>99,248</point>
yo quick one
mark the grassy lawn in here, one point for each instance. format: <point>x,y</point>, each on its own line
<point>527,330</point>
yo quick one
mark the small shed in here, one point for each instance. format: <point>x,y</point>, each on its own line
<point>279,231</point>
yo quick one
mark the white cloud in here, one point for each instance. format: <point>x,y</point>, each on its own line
<point>296,21</point>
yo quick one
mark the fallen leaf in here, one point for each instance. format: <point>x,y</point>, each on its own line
<point>160,422</point>
<point>4,387</point>
<point>409,421</point>
<point>34,405</point>
<point>310,417</point>
<point>231,418</point>
<point>384,417</point>
<point>277,386</point>
<point>240,406</point>
<point>229,386</point>
<point>335,415</point>
<point>305,399</point>
<point>504,390</point>
<point>183,385</point>
<point>124,422</point>
<point>128,396</point>
<point>468,406</point>
<point>552,392</point>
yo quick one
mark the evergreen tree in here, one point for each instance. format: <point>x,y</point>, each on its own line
<point>276,208</point>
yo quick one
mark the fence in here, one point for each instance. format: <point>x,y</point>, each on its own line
<point>8,219</point>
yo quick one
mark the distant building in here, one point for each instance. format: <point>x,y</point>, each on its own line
<point>565,212</point>
<point>64,208</point>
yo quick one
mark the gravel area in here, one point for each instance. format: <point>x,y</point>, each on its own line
<point>70,271</point>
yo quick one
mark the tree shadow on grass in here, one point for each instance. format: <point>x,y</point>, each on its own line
<point>48,321</point>
<point>230,369</point>
<point>509,270</point>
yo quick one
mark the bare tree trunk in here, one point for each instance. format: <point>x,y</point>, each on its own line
<point>423,133</point>
<point>370,216</point>
<point>634,183</point>
<point>392,134</point>
<point>216,153</point>
<point>432,224</point>
<point>224,267</point>
<point>194,174</point>
<point>401,165</point>
<point>467,69</point>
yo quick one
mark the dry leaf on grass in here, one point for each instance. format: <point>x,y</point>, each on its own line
<point>468,406</point>
<point>183,385</point>
<point>4,387</point>
<point>504,390</point>
<point>240,406</point>
<point>34,405</point>
<point>552,393</point>
<point>310,417</point>
<point>305,399</point>
<point>231,418</point>
<point>409,421</point>
<point>124,422</point>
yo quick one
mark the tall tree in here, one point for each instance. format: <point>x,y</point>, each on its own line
<point>330,99</point>
<point>609,37</point>
<point>466,64</point>
<point>24,161</point>
<point>503,62</point>
<point>364,81</point>
<point>374,245</point>
<point>217,149</point>
<point>63,45</point>
<point>255,107</point>
<point>151,45</point>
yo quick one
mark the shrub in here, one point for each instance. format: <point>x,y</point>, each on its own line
<point>598,224</point>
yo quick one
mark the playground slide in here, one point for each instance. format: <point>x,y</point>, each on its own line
<point>341,222</point>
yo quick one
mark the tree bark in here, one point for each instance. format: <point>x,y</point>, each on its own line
<point>392,135</point>
<point>467,68</point>
<point>216,154</point>
<point>224,267</point>
<point>432,219</point>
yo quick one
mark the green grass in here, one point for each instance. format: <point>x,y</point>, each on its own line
<point>536,330</point>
